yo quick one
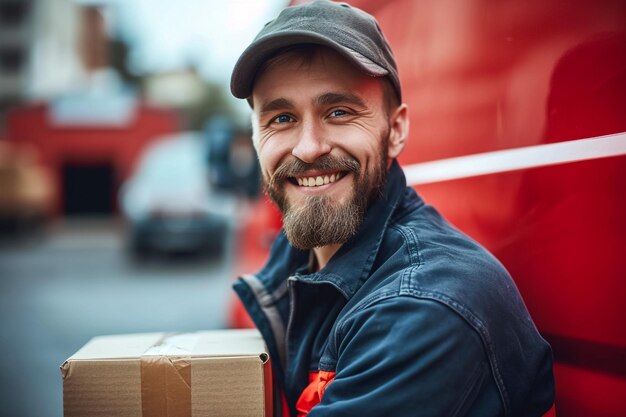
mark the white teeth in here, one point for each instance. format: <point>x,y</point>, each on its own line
<point>317,181</point>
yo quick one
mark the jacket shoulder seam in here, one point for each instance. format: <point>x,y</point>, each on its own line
<point>411,240</point>
<point>413,251</point>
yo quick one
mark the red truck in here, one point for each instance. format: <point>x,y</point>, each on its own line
<point>518,136</point>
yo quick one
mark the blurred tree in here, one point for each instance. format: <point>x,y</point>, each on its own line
<point>118,60</point>
<point>213,102</point>
<point>196,98</point>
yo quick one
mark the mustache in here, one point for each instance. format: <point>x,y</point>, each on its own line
<point>294,167</point>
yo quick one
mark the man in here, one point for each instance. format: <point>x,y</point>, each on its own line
<point>370,304</point>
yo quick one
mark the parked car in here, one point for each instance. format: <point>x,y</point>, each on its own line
<point>170,204</point>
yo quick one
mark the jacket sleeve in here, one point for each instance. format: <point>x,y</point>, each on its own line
<point>406,356</point>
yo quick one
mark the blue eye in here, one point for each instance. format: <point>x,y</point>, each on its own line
<point>338,113</point>
<point>283,118</point>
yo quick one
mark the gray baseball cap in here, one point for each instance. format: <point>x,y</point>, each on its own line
<point>349,31</point>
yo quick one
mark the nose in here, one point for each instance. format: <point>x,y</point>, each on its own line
<point>311,144</point>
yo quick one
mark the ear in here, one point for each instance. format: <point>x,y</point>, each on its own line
<point>399,130</point>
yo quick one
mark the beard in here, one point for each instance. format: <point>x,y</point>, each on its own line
<point>319,220</point>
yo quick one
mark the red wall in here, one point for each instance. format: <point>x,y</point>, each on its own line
<point>85,145</point>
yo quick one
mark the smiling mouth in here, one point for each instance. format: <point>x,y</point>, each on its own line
<point>317,180</point>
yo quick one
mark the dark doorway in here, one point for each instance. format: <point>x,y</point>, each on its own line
<point>88,189</point>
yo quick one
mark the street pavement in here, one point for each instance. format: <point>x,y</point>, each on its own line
<point>77,282</point>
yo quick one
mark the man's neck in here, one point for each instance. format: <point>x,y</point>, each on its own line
<point>324,253</point>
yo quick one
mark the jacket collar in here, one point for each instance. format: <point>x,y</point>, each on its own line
<point>350,266</point>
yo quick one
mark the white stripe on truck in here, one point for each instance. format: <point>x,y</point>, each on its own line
<point>515,159</point>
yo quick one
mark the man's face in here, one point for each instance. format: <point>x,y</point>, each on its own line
<point>322,138</point>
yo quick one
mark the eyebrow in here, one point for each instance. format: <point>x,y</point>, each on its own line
<point>337,98</point>
<point>277,104</point>
<point>322,100</point>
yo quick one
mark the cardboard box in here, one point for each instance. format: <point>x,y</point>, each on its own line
<point>212,373</point>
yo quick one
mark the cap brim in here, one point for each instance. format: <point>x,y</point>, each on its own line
<point>259,51</point>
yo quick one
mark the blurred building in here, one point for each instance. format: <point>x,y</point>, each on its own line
<point>86,125</point>
<point>36,36</point>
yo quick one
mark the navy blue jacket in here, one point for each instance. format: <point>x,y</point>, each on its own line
<point>413,318</point>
